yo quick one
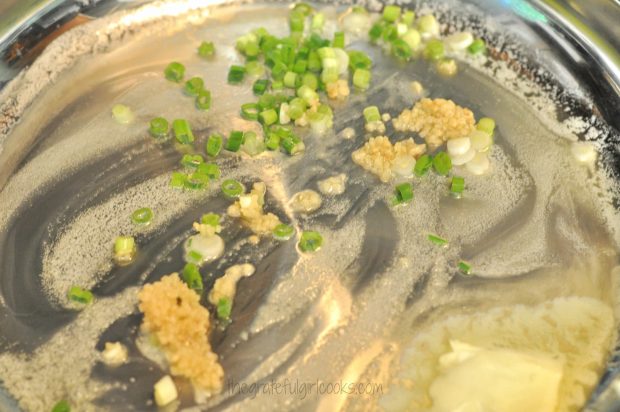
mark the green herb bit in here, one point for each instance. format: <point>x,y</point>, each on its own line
<point>464,267</point>
<point>192,161</point>
<point>260,86</point>
<point>359,60</point>
<point>214,145</point>
<point>177,180</point>
<point>197,181</point>
<point>194,256</point>
<point>235,140</point>
<point>211,219</point>
<point>62,406</point>
<point>211,170</point>
<point>376,31</point>
<point>371,114</point>
<point>175,72</point>
<point>408,17</point>
<point>232,188</point>
<point>310,241</point>
<point>268,117</point>
<point>442,163</point>
<point>273,141</point>
<point>423,165</point>
<point>391,13</point>
<point>361,79</point>
<point>437,240</point>
<point>404,193</point>
<point>142,216</point>
<point>236,74</point>
<point>292,144</point>
<point>401,49</point>
<point>249,111</point>
<point>191,276</point>
<point>203,100</point>
<point>253,144</point>
<point>124,249</point>
<point>224,308</point>
<point>434,49</point>
<point>159,127</point>
<point>338,40</point>
<point>283,232</point>
<point>193,86</point>
<point>182,131</point>
<point>254,68</point>
<point>487,125</point>
<point>478,46</point>
<point>122,113</point>
<point>457,186</point>
<point>79,295</point>
<point>206,49</point>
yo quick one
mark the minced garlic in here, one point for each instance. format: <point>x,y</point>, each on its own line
<point>249,208</point>
<point>378,154</point>
<point>436,120</point>
<point>180,324</point>
<point>338,90</point>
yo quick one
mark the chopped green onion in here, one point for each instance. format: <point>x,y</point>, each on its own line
<point>290,78</point>
<point>182,131</point>
<point>260,86</point>
<point>191,161</point>
<point>437,240</point>
<point>310,80</point>
<point>252,144</point>
<point>310,96</point>
<point>224,308</point>
<point>487,125</point>
<point>283,232</point>
<point>206,49</point>
<point>412,38</point>
<point>296,108</point>
<point>434,49</point>
<point>268,117</point>
<point>273,141</point>
<point>401,49</point>
<point>404,193</point>
<point>359,60</point>
<point>423,165</point>
<point>371,114</point>
<point>191,276</point>
<point>214,144</point>
<point>211,170</point>
<point>79,295</point>
<point>296,21</point>
<point>235,140</point>
<point>301,66</point>
<point>310,241</point>
<point>62,406</point>
<point>177,180</point>
<point>254,68</point>
<point>442,163</point>
<point>203,100</point>
<point>361,79</point>
<point>175,72</point>
<point>194,85</point>
<point>457,186</point>
<point>124,249</point>
<point>408,17</point>
<point>318,20</point>
<point>249,111</point>
<point>376,31</point>
<point>464,267</point>
<point>428,24</point>
<point>232,188</point>
<point>194,256</point>
<point>122,114</point>
<point>292,144</point>
<point>159,127</point>
<point>314,61</point>
<point>267,101</point>
<point>236,74</point>
<point>391,13</point>
<point>211,219</point>
<point>303,8</point>
<point>477,47</point>
<point>196,181</point>
<point>142,216</point>
<point>338,40</point>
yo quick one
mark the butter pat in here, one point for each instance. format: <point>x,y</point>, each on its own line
<point>500,380</point>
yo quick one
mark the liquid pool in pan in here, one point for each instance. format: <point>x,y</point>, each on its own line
<point>381,304</point>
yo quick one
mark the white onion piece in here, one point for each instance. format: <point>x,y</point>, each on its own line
<point>209,247</point>
<point>460,146</point>
<point>356,22</point>
<point>583,151</point>
<point>343,60</point>
<point>403,165</point>
<point>284,117</point>
<point>480,140</point>
<point>464,158</point>
<point>479,164</point>
<point>459,41</point>
<point>122,113</point>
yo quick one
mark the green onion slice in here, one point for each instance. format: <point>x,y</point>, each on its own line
<point>211,219</point>
<point>192,161</point>
<point>191,276</point>
<point>457,186</point>
<point>79,295</point>
<point>464,267</point>
<point>310,241</point>
<point>206,49</point>
<point>193,86</point>
<point>404,193</point>
<point>214,144</point>
<point>422,165</point>
<point>211,170</point>
<point>437,240</point>
<point>182,131</point>
<point>142,216</point>
<point>175,72</point>
<point>232,188</point>
<point>159,127</point>
<point>203,100</point>
<point>283,232</point>
<point>62,406</point>
<point>235,140</point>
<point>224,308</point>
<point>442,163</point>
